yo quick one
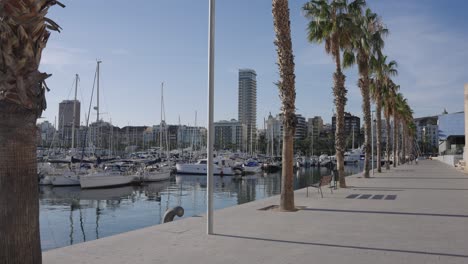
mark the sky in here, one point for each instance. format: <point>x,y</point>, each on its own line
<point>146,42</point>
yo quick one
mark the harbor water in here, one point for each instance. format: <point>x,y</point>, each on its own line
<point>70,215</point>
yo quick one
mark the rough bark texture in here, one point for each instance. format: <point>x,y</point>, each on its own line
<point>398,146</point>
<point>403,145</point>
<point>339,91</point>
<point>287,92</point>
<point>363,84</point>
<point>379,132</point>
<point>387,121</point>
<point>19,198</point>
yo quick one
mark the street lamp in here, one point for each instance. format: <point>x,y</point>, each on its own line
<point>210,136</point>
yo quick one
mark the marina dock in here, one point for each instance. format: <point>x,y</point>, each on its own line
<point>410,214</point>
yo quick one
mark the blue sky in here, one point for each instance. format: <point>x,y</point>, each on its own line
<point>146,42</point>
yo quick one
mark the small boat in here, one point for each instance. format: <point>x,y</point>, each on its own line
<point>352,156</point>
<point>252,167</point>
<point>154,173</point>
<point>324,160</point>
<point>113,175</point>
<point>200,168</point>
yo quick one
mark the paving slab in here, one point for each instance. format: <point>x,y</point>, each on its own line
<point>425,221</point>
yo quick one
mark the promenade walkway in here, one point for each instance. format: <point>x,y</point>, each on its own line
<point>411,214</point>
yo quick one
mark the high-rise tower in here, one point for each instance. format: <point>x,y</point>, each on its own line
<point>247,105</point>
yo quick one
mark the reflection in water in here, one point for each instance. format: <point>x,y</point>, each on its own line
<point>105,212</point>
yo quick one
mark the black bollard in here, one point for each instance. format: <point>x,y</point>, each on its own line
<point>171,213</point>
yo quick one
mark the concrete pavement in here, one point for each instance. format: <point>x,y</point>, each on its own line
<point>412,214</point>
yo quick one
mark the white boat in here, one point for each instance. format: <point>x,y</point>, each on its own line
<point>44,180</point>
<point>200,168</point>
<point>112,176</point>
<point>324,160</point>
<point>67,179</point>
<point>252,167</point>
<point>352,156</point>
<point>154,174</point>
<point>60,174</point>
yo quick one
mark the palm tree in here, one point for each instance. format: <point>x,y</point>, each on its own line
<point>406,114</point>
<point>367,40</point>
<point>397,116</point>
<point>23,36</point>
<point>382,72</point>
<point>287,91</point>
<point>388,95</point>
<point>330,23</point>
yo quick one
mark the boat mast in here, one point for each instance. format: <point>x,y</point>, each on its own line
<point>74,112</point>
<point>97,93</point>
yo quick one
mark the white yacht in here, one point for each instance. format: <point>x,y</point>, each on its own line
<point>324,160</point>
<point>59,174</point>
<point>154,173</point>
<point>352,156</point>
<point>112,175</point>
<point>200,168</point>
<point>251,167</point>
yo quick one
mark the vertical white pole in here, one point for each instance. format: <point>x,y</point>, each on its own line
<point>210,141</point>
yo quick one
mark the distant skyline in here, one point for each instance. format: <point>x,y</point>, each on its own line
<point>149,42</point>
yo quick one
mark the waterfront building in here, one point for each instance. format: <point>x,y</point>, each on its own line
<point>65,123</point>
<point>45,134</point>
<point>301,127</point>
<point>177,136</point>
<point>314,126</point>
<point>230,135</point>
<point>247,103</point>
<point>351,123</point>
<point>451,134</point>
<point>427,134</point>
<point>274,133</point>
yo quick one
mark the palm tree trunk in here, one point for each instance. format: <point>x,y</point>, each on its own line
<point>339,92</point>
<point>387,121</point>
<point>397,129</point>
<point>403,146</point>
<point>364,86</point>
<point>19,198</point>
<point>379,133</point>
<point>287,91</point>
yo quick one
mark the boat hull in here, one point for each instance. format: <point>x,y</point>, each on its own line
<point>201,169</point>
<point>100,181</point>
<point>65,180</point>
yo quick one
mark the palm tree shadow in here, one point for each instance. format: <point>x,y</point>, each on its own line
<point>343,246</point>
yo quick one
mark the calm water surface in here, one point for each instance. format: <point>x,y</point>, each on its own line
<point>69,215</point>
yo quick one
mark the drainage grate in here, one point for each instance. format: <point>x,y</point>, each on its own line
<point>372,197</point>
<point>378,197</point>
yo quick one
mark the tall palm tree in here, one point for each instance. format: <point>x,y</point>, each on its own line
<point>388,95</point>
<point>287,91</point>
<point>331,23</point>
<point>367,40</point>
<point>397,116</point>
<point>382,72</point>
<point>406,114</point>
<point>23,36</point>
